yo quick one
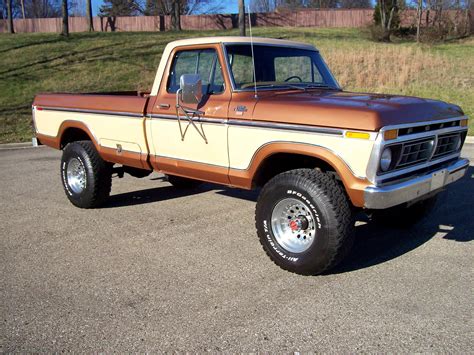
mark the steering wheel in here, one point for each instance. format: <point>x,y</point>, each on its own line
<point>294,77</point>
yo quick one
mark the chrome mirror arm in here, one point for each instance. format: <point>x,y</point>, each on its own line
<point>190,115</point>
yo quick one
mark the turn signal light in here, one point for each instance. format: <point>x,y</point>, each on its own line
<point>390,134</point>
<point>463,123</point>
<point>360,135</point>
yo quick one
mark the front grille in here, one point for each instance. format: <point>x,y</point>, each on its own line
<point>437,144</point>
<point>415,152</point>
<point>419,172</point>
<point>447,144</point>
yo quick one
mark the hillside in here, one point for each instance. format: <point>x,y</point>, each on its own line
<point>33,63</point>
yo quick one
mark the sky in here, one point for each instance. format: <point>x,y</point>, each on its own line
<point>230,6</point>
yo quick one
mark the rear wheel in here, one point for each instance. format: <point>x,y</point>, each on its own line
<point>183,183</point>
<point>304,221</point>
<point>87,179</point>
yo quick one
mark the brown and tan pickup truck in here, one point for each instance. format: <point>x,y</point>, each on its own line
<point>264,114</point>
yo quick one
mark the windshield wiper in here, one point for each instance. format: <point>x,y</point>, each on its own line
<point>321,86</point>
<point>303,87</point>
<point>280,86</point>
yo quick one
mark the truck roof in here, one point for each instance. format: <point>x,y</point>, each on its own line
<point>221,39</point>
<point>239,39</point>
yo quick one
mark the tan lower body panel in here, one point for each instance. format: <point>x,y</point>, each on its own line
<point>228,155</point>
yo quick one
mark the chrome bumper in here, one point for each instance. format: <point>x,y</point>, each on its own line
<point>380,197</point>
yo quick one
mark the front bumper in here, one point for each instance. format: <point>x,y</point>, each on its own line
<point>380,197</point>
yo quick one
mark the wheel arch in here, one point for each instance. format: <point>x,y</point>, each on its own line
<point>290,156</point>
<point>72,131</point>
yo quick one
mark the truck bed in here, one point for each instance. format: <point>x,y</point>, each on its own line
<point>113,120</point>
<point>132,102</point>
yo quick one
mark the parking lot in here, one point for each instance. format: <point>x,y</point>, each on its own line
<point>162,269</point>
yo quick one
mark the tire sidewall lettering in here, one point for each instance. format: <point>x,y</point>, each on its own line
<point>307,201</point>
<point>274,245</point>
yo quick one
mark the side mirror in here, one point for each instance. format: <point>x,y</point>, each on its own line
<point>190,86</point>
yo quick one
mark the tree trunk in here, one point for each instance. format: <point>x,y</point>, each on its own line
<point>90,20</point>
<point>177,11</point>
<point>386,23</point>
<point>162,23</point>
<point>242,17</point>
<point>428,8</point>
<point>418,24</point>
<point>65,31</point>
<point>10,17</point>
<point>176,15</point>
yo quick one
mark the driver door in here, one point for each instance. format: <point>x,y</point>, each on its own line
<point>199,151</point>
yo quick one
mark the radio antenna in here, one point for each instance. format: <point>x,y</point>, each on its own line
<point>253,56</point>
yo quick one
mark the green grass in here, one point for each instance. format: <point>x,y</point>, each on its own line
<point>34,63</point>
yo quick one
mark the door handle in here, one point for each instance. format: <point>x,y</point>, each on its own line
<point>163,106</point>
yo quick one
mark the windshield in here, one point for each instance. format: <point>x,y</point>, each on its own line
<point>276,67</point>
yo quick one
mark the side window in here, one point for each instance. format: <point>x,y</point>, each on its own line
<point>203,62</point>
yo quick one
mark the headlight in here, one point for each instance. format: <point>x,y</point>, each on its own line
<point>458,144</point>
<point>386,159</point>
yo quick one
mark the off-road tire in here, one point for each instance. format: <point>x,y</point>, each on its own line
<point>328,203</point>
<point>183,183</point>
<point>98,175</point>
<point>403,216</point>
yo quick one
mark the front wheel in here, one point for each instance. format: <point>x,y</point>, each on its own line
<point>304,221</point>
<point>87,179</point>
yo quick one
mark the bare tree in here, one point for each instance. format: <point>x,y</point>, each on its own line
<point>42,8</point>
<point>388,9</point>
<point>90,20</point>
<point>65,31</point>
<point>10,16</point>
<point>263,5</point>
<point>242,17</point>
<point>190,7</point>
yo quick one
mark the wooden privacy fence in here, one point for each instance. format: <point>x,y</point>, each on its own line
<point>303,18</point>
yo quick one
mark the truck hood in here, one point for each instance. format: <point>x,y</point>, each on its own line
<point>348,110</point>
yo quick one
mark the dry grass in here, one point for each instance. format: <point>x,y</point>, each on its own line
<point>400,70</point>
<point>388,69</point>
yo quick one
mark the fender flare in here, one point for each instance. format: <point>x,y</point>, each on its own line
<point>353,184</point>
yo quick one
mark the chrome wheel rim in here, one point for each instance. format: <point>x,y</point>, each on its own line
<point>76,175</point>
<point>293,225</point>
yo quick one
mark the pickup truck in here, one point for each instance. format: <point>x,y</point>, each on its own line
<point>264,114</point>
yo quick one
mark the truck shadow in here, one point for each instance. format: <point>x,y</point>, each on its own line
<point>155,194</point>
<point>374,244</point>
<point>452,220</point>
<point>168,192</point>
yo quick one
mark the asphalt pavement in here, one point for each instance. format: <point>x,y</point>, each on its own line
<point>162,269</point>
